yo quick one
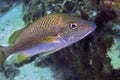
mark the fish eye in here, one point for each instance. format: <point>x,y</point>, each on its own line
<point>73,26</point>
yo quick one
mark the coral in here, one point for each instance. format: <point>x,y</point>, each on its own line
<point>9,71</point>
<point>110,4</point>
<point>2,77</point>
<point>30,72</point>
<point>114,54</point>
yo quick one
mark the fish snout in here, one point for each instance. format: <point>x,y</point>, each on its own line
<point>92,26</point>
<point>89,26</point>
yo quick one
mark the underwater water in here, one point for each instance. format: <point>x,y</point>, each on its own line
<point>93,55</point>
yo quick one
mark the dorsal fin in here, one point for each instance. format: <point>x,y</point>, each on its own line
<point>14,36</point>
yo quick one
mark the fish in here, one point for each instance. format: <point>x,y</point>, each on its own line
<point>46,35</point>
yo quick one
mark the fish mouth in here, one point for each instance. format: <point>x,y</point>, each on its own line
<point>93,27</point>
<point>90,30</point>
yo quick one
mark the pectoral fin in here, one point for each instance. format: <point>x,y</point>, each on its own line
<point>55,38</point>
<point>51,39</point>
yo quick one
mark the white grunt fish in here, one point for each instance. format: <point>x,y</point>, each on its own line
<point>48,35</point>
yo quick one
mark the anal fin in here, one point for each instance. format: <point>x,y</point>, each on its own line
<point>22,57</point>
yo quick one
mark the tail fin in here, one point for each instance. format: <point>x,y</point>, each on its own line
<point>3,56</point>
